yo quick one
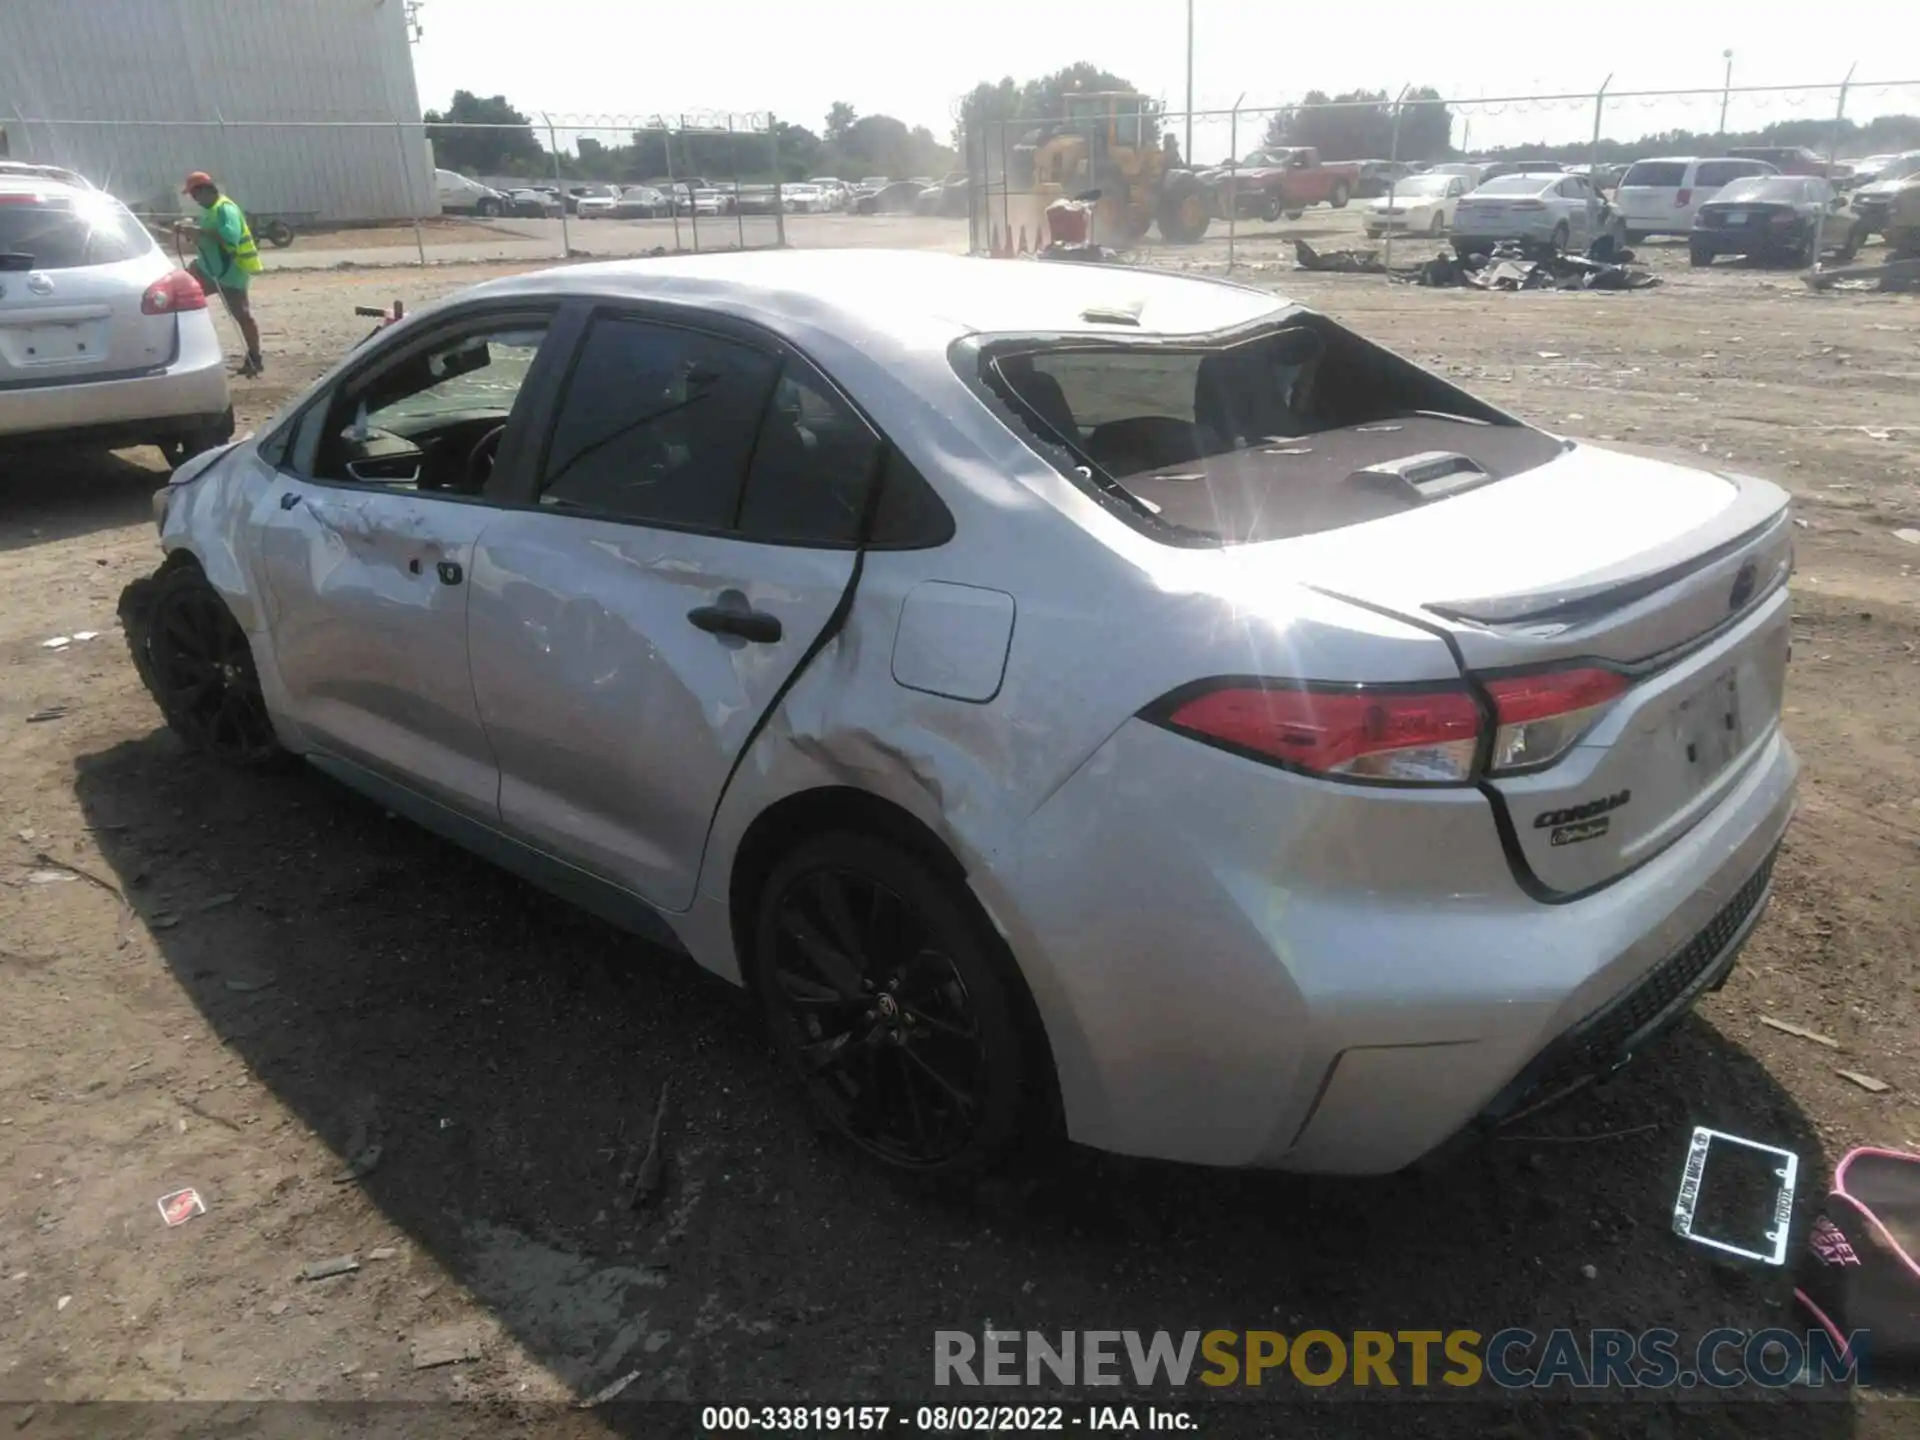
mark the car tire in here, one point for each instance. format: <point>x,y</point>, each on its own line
<point>1184,212</point>
<point>276,233</point>
<point>1562,237</point>
<point>889,997</point>
<point>1699,256</point>
<point>1438,224</point>
<point>196,662</point>
<point>1338,197</point>
<point>487,209</point>
<point>1296,214</point>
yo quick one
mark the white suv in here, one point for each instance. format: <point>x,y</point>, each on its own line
<point>1661,197</point>
<point>104,340</point>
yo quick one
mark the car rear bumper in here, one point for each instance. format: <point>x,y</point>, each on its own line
<point>1275,971</point>
<point>189,393</point>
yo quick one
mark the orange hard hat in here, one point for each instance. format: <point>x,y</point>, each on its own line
<point>195,181</point>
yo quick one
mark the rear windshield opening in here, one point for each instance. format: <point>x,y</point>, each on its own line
<point>1258,437</point>
<point>39,232</point>
<point>1657,173</point>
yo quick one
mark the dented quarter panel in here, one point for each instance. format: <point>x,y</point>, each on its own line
<point>208,516</point>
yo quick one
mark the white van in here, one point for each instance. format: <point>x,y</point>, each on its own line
<point>459,195</point>
<point>1659,197</point>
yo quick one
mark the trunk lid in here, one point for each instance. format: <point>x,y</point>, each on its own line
<point>1671,575</point>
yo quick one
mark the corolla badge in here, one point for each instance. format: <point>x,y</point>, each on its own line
<point>40,284</point>
<point>1742,587</point>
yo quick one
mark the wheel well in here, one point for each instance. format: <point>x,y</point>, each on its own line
<point>790,822</point>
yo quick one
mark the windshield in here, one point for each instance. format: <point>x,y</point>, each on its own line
<point>1516,185</point>
<point>1901,167</point>
<point>67,234</point>
<point>1252,438</point>
<point>1266,157</point>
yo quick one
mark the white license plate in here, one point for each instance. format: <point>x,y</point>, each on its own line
<point>1735,217</point>
<point>1709,726</point>
<point>28,345</point>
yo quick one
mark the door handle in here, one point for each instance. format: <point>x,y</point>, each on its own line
<point>450,572</point>
<point>289,499</point>
<point>755,625</point>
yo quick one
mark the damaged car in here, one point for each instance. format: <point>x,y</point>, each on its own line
<point>1072,700</point>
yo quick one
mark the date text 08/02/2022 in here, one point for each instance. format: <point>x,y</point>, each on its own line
<point>943,1419</point>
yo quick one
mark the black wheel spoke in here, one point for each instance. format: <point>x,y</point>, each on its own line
<point>832,895</point>
<point>940,1024</point>
<point>802,991</point>
<point>914,1115</point>
<point>953,1092</point>
<point>830,1053</point>
<point>833,965</point>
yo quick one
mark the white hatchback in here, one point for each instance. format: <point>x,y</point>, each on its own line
<point>1661,197</point>
<point>104,341</point>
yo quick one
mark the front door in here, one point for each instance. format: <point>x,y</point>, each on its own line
<point>366,543</point>
<point>691,535</point>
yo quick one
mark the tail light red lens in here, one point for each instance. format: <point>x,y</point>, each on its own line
<point>1379,733</point>
<point>1540,717</point>
<point>1405,735</point>
<point>1683,197</point>
<point>172,293</point>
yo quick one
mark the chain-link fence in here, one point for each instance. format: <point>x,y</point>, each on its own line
<point>367,192</point>
<point>1170,177</point>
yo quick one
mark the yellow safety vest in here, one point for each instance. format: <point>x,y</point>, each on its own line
<point>246,255</point>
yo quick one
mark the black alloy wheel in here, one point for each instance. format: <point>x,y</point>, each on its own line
<point>885,998</point>
<point>200,669</point>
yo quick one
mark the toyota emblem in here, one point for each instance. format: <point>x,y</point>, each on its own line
<point>40,284</point>
<point>1742,587</point>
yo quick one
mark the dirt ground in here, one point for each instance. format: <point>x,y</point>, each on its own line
<point>354,1040</point>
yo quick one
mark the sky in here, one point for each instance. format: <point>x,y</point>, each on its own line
<point>914,58</point>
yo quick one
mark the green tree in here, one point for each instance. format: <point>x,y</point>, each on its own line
<point>459,145</point>
<point>1358,125</point>
<point>840,121</point>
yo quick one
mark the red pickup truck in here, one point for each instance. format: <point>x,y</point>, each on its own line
<point>1282,180</point>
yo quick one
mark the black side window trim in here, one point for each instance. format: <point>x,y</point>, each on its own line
<point>732,331</point>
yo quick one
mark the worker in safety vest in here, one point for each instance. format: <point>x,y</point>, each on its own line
<point>228,259</point>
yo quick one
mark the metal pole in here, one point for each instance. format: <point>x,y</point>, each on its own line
<point>1189,82</point>
<point>779,200</point>
<point>1726,89</point>
<point>673,194</point>
<point>693,207</point>
<point>1393,182</point>
<point>1833,149</point>
<point>1596,204</point>
<point>560,184</point>
<point>733,163</point>
<point>1233,195</point>
<point>406,179</point>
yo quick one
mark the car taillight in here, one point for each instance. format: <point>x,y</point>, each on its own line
<point>1539,717</point>
<point>1683,197</point>
<point>1407,735</point>
<point>172,293</point>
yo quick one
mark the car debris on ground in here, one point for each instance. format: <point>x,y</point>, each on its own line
<point>1897,276</point>
<point>1508,267</point>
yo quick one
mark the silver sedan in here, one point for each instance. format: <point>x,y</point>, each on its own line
<point>1071,699</point>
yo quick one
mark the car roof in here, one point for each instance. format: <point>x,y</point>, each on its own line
<point>883,292</point>
<point>13,183</point>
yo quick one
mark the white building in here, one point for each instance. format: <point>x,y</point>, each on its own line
<point>297,107</point>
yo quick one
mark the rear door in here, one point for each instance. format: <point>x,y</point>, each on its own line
<point>1648,196</point>
<point>74,270</point>
<point>689,533</point>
